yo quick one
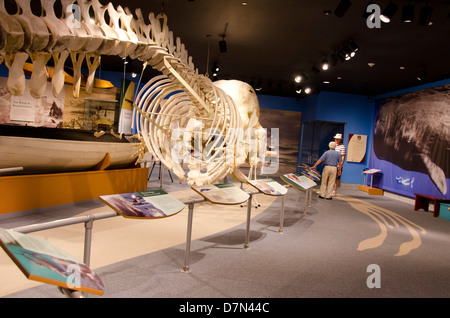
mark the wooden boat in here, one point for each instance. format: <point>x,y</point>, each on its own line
<point>36,150</point>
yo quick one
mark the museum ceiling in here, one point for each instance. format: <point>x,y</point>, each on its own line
<point>268,42</point>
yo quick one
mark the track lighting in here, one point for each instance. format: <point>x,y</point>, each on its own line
<point>342,8</point>
<point>408,13</point>
<point>389,12</point>
<point>425,15</point>
<point>325,65</point>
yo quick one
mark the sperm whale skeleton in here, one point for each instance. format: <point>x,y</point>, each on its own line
<point>181,115</point>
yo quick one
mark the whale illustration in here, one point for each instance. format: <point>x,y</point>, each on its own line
<point>412,131</point>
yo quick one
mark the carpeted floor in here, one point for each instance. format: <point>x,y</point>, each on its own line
<point>329,252</point>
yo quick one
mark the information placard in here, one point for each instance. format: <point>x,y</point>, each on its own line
<point>148,204</point>
<point>43,262</point>
<point>225,193</point>
<point>298,181</point>
<point>268,186</point>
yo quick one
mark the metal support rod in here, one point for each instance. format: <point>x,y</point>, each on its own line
<point>280,230</point>
<point>306,201</point>
<point>64,222</point>
<point>87,241</point>
<point>310,197</point>
<point>247,228</point>
<point>186,267</point>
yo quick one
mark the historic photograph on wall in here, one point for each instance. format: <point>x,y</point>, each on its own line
<point>411,142</point>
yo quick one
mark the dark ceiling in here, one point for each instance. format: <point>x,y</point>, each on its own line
<point>273,40</point>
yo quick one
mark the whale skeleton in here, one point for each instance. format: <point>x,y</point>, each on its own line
<point>181,115</point>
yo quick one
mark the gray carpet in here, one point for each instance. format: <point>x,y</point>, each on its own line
<point>316,257</point>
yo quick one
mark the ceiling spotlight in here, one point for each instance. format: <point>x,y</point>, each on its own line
<point>353,47</point>
<point>298,89</point>
<point>307,90</point>
<point>425,15</point>
<point>389,12</point>
<point>215,70</point>
<point>422,75</point>
<point>342,8</point>
<point>298,79</point>
<point>325,65</point>
<point>408,13</point>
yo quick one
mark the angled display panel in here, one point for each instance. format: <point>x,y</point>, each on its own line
<point>148,204</point>
<point>43,262</point>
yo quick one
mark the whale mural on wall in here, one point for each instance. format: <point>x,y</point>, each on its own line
<point>412,131</point>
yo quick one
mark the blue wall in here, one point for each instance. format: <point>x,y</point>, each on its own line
<point>355,111</point>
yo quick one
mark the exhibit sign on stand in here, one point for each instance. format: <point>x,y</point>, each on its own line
<point>43,262</point>
<point>228,194</point>
<point>148,204</point>
<point>225,193</point>
<point>370,189</point>
<point>271,187</point>
<point>299,182</point>
<point>268,186</point>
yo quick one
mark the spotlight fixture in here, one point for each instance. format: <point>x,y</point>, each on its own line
<point>298,78</point>
<point>325,65</point>
<point>342,8</point>
<point>258,85</point>
<point>389,12</point>
<point>308,90</point>
<point>408,13</point>
<point>353,48</point>
<point>298,89</point>
<point>425,15</point>
<point>215,70</point>
<point>421,75</point>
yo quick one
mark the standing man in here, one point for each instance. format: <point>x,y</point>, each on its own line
<point>332,161</point>
<point>341,149</point>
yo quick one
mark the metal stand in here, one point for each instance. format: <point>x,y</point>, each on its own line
<point>308,195</point>
<point>247,228</point>
<point>186,267</point>
<point>88,221</point>
<point>280,230</point>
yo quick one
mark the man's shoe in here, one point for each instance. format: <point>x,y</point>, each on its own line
<point>321,197</point>
<point>329,198</point>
